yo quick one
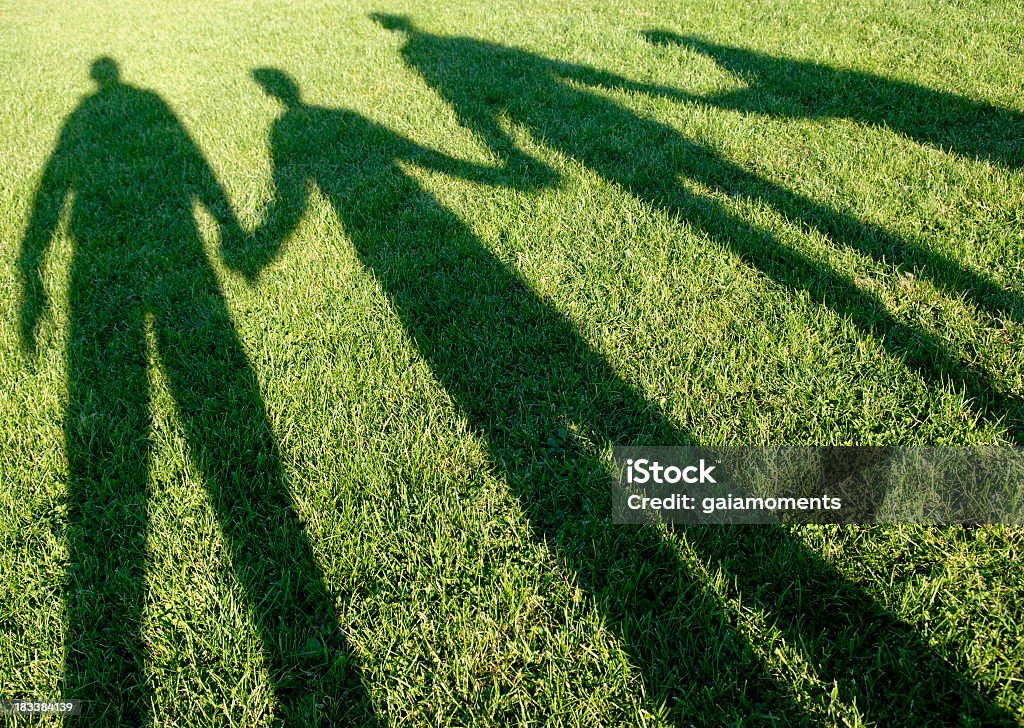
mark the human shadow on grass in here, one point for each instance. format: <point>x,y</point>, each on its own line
<point>131,175</point>
<point>791,88</point>
<point>546,404</point>
<point>794,89</point>
<point>876,659</point>
<point>484,82</point>
<point>542,399</point>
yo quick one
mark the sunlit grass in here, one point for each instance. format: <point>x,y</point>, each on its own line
<point>443,439</point>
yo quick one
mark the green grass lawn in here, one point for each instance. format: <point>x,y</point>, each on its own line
<point>318,322</point>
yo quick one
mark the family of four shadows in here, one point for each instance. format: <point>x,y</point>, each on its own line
<point>133,175</point>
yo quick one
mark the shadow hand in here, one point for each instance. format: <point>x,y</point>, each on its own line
<point>33,307</point>
<point>244,253</point>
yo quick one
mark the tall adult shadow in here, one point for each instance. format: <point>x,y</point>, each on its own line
<point>545,404</point>
<point>792,88</point>
<point>854,639</point>
<point>131,174</point>
<point>485,81</point>
<point>542,399</point>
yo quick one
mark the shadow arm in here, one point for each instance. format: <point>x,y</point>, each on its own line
<point>733,100</point>
<point>53,190</point>
<point>518,170</point>
<point>233,239</point>
<point>280,217</point>
<point>593,77</point>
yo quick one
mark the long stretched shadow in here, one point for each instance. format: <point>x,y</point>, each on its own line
<point>132,175</point>
<point>546,403</point>
<point>486,83</point>
<point>543,400</point>
<point>791,88</point>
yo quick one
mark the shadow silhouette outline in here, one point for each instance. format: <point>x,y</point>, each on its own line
<point>516,368</point>
<point>963,126</point>
<point>480,79</point>
<point>522,375</point>
<point>130,173</point>
<point>791,88</point>
<point>483,81</point>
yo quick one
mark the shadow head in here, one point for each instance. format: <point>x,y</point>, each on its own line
<point>105,71</point>
<point>389,21</point>
<point>279,85</point>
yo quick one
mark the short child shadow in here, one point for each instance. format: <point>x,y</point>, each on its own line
<point>132,174</point>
